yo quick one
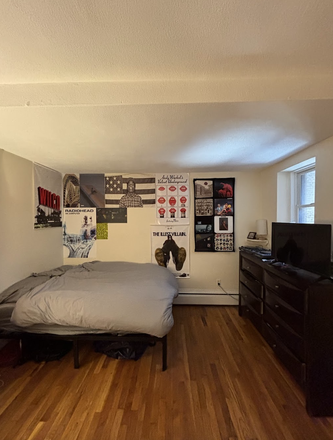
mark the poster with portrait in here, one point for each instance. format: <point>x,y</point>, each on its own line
<point>48,197</point>
<point>129,190</point>
<point>79,233</point>
<point>170,248</point>
<point>172,198</point>
<point>214,214</point>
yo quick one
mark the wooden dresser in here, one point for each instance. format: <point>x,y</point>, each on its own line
<point>293,310</point>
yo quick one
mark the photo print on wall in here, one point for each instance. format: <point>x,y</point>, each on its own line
<point>214,214</point>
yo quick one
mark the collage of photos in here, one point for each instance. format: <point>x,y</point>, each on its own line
<point>214,215</point>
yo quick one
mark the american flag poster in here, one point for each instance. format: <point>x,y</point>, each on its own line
<point>129,190</point>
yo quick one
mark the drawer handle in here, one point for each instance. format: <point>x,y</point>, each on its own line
<point>245,296</point>
<point>276,306</point>
<point>277,326</point>
<point>274,346</point>
<point>276,286</point>
<point>248,267</point>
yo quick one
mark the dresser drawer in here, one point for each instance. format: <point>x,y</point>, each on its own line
<point>285,312</point>
<point>251,299</point>
<point>289,293</point>
<point>253,316</point>
<point>291,339</point>
<point>293,365</point>
<point>253,268</point>
<point>253,284</point>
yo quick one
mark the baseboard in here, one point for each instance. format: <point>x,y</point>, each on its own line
<point>204,297</point>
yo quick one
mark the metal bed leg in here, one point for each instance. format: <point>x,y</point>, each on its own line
<point>76,353</point>
<point>164,353</point>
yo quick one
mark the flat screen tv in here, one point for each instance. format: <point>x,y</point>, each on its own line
<point>305,246</point>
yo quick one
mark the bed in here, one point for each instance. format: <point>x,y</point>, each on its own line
<point>92,301</point>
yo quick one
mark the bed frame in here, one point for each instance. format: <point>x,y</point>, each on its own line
<point>25,336</point>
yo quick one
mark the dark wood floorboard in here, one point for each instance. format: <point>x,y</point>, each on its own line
<point>222,382</point>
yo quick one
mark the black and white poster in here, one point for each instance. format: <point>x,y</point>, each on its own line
<point>48,203</point>
<point>129,190</point>
<point>172,198</point>
<point>79,233</point>
<point>170,248</point>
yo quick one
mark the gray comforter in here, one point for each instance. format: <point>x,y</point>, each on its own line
<point>117,297</point>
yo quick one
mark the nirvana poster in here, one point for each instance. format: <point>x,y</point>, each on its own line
<point>214,215</point>
<point>79,233</point>
<point>170,248</point>
<point>172,198</point>
<point>48,204</point>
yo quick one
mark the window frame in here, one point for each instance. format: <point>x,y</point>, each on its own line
<point>297,183</point>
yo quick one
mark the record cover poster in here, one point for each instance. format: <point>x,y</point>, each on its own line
<point>172,198</point>
<point>170,248</point>
<point>79,233</point>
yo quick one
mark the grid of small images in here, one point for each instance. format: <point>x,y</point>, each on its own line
<point>214,214</point>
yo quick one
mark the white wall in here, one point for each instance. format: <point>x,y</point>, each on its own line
<point>23,249</point>
<point>131,241</point>
<point>324,181</point>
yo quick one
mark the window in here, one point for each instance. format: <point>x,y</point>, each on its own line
<point>296,193</point>
<point>305,195</point>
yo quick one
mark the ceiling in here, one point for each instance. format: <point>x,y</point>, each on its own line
<point>152,86</point>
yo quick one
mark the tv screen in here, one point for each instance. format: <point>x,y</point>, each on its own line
<point>306,246</point>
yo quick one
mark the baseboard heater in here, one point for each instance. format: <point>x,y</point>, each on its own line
<point>206,297</point>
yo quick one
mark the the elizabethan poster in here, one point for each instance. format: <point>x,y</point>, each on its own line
<point>172,198</point>
<point>48,204</point>
<point>170,248</point>
<point>79,235</point>
<point>129,190</point>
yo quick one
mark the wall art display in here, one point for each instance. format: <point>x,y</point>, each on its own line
<point>170,248</point>
<point>79,233</point>
<point>71,191</point>
<point>172,198</point>
<point>102,231</point>
<point>129,190</point>
<point>214,214</point>
<point>48,204</point>
<point>111,215</point>
<point>92,191</point>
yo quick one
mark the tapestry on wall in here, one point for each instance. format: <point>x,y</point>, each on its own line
<point>214,215</point>
<point>92,192</point>
<point>79,233</point>
<point>71,191</point>
<point>172,198</point>
<point>48,188</point>
<point>170,248</point>
<point>129,190</point>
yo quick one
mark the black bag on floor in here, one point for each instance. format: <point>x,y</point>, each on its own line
<point>121,349</point>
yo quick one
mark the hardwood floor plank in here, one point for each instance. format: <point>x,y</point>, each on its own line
<point>223,382</point>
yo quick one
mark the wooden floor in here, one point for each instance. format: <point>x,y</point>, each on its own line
<point>222,382</point>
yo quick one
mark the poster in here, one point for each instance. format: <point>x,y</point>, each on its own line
<point>92,192</point>
<point>48,204</point>
<point>170,248</point>
<point>129,190</point>
<point>172,198</point>
<point>79,233</point>
<point>71,191</point>
<point>214,214</point>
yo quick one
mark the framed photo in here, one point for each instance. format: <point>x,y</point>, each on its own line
<point>252,235</point>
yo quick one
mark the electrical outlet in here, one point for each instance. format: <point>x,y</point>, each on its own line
<point>218,282</point>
